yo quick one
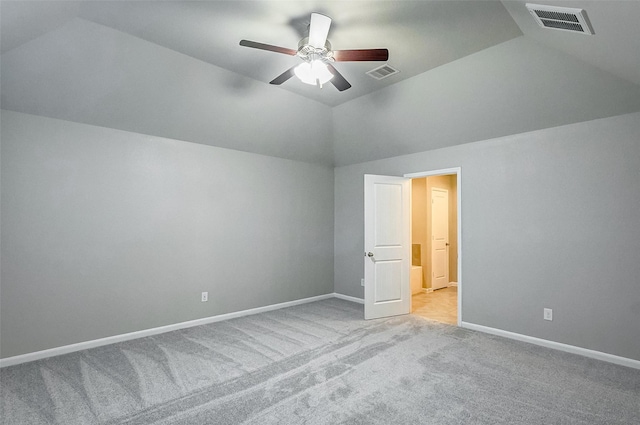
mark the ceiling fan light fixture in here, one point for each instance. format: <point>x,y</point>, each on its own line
<point>313,73</point>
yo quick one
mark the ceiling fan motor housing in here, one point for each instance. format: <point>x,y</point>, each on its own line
<point>308,53</point>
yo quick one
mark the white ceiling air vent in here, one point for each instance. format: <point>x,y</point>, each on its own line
<point>560,18</point>
<point>383,71</point>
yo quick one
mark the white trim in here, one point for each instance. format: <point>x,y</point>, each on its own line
<point>349,298</point>
<point>452,284</point>
<point>65,349</point>
<point>428,290</point>
<point>598,355</point>
<point>458,172</point>
<point>441,172</point>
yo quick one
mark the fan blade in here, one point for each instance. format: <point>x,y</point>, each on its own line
<point>283,77</point>
<point>318,30</point>
<point>338,80</point>
<point>268,47</point>
<point>361,55</point>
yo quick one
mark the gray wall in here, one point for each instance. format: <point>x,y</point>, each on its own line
<point>549,219</point>
<point>106,232</point>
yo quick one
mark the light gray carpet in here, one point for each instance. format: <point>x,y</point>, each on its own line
<point>320,363</point>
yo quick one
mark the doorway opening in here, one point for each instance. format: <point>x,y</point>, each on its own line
<point>435,236</point>
<point>388,244</point>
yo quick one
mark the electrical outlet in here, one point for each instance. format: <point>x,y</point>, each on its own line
<point>362,282</point>
<point>547,314</point>
<point>205,297</point>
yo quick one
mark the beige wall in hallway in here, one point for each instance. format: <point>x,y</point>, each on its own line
<point>418,220</point>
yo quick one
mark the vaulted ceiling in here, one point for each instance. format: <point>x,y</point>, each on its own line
<point>175,69</point>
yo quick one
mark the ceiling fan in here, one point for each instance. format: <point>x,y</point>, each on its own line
<point>317,55</point>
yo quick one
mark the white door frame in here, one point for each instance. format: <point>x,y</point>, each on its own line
<point>458,172</point>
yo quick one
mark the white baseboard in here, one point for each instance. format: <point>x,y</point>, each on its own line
<point>348,298</point>
<point>65,349</point>
<point>623,361</point>
<point>453,284</point>
<point>38,355</point>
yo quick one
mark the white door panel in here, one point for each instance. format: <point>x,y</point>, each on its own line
<point>387,285</point>
<point>387,246</point>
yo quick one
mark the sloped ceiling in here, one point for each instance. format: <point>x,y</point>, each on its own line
<point>615,47</point>
<point>92,74</point>
<point>515,87</point>
<point>175,69</point>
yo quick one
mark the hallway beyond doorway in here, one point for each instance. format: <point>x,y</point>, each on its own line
<point>440,305</point>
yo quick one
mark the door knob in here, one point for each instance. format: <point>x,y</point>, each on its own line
<point>369,254</point>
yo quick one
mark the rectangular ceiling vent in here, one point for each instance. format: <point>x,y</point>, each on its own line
<point>561,18</point>
<point>383,71</point>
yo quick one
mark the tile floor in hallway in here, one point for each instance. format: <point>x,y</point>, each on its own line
<point>440,305</point>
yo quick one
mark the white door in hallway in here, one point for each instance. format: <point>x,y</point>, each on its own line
<point>439,238</point>
<point>387,244</point>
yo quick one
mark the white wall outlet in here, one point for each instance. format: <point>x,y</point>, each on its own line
<point>547,314</point>
<point>205,297</point>
<point>362,282</point>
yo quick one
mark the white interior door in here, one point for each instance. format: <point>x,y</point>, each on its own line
<point>439,238</point>
<point>387,244</point>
